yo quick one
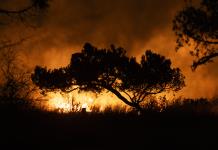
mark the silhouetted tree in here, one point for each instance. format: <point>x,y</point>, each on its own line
<point>197,28</point>
<point>112,70</point>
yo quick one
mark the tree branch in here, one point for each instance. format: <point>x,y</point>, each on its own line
<point>127,94</point>
<point>71,90</point>
<point>203,60</point>
<point>209,42</point>
<point>161,90</point>
<point>8,12</point>
<point>142,97</point>
<point>117,93</point>
<point>8,44</point>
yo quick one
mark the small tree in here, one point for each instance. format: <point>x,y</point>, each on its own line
<point>112,70</point>
<point>197,28</point>
<point>15,83</point>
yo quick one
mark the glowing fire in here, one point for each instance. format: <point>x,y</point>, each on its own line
<point>76,101</point>
<point>59,103</point>
<point>64,103</point>
<point>84,105</point>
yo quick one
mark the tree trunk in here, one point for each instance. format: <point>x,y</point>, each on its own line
<point>117,93</point>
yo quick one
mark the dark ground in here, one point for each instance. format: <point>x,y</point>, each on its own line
<point>40,130</point>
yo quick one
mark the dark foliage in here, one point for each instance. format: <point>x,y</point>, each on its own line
<point>197,28</point>
<point>110,130</point>
<point>112,70</point>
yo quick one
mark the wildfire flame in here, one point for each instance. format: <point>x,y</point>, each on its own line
<point>68,103</point>
<point>76,101</point>
<point>58,102</point>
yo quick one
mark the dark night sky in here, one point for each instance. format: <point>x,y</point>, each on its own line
<point>136,25</point>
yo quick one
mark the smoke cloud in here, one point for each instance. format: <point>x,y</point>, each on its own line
<point>136,25</point>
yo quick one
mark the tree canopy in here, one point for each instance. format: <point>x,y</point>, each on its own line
<point>197,28</point>
<point>112,70</point>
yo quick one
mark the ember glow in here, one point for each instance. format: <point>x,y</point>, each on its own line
<point>76,101</point>
<point>72,102</point>
<point>58,102</point>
